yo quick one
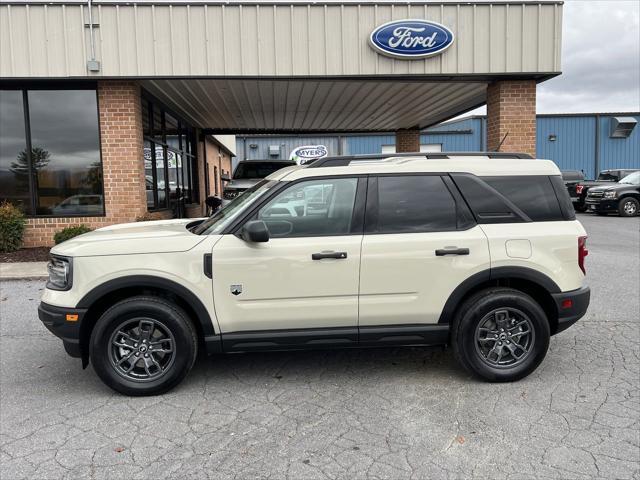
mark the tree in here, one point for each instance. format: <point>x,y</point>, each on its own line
<point>39,159</point>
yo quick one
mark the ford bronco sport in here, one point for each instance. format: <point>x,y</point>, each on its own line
<point>479,251</point>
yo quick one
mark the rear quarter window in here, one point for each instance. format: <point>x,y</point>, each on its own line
<point>533,194</point>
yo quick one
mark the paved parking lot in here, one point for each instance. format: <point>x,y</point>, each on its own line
<point>391,413</point>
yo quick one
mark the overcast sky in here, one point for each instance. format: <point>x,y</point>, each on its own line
<point>600,59</point>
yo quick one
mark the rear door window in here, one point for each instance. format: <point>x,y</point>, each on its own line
<point>412,203</point>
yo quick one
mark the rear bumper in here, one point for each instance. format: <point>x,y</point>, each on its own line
<point>571,306</point>
<point>55,319</point>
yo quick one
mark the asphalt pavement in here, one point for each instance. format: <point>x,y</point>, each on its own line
<point>378,413</point>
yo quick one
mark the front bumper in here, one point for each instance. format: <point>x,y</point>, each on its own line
<point>65,324</point>
<point>602,205</point>
<point>571,306</point>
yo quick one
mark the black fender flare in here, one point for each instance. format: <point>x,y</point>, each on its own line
<point>204,319</point>
<point>519,273</point>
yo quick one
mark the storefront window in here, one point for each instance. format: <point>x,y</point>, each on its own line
<point>175,167</point>
<point>58,171</point>
<point>14,168</point>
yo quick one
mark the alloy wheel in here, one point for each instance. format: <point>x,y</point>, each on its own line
<point>141,349</point>
<point>504,337</point>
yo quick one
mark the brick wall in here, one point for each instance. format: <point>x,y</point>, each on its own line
<point>123,169</point>
<point>220,159</point>
<point>511,108</point>
<point>408,140</point>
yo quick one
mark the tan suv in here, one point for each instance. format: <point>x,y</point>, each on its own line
<point>479,251</point>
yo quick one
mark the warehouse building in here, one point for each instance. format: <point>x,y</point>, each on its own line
<point>589,142</point>
<point>113,111</point>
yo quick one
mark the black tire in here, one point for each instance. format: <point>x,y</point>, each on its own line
<point>580,208</point>
<point>170,330</point>
<point>628,207</point>
<point>468,350</point>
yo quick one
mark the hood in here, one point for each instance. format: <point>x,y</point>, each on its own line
<point>242,183</point>
<point>161,236</point>
<point>608,188</point>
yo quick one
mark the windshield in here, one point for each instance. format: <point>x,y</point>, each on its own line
<point>258,169</point>
<point>632,178</point>
<point>216,223</point>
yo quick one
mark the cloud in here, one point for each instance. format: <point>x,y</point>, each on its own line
<point>600,60</point>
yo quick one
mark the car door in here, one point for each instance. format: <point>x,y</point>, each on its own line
<point>301,286</point>
<point>420,243</point>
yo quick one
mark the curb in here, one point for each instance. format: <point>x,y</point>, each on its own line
<point>27,277</point>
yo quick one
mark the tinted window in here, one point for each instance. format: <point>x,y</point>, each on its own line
<point>258,169</point>
<point>566,205</point>
<point>14,176</point>
<point>65,151</point>
<point>416,203</point>
<point>533,194</point>
<point>312,208</point>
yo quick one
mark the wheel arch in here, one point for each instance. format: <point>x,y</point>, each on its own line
<point>103,296</point>
<point>532,282</point>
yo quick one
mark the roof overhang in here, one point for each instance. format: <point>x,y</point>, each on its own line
<point>316,105</point>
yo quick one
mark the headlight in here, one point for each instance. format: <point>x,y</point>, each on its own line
<point>609,194</point>
<point>60,273</point>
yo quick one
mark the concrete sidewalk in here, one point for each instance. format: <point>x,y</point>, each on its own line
<point>23,270</point>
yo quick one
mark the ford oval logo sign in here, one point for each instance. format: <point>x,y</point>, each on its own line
<point>410,39</point>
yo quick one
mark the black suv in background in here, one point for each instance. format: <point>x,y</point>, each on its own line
<point>622,197</point>
<point>606,177</point>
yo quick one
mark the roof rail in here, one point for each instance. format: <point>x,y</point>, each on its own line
<point>345,160</point>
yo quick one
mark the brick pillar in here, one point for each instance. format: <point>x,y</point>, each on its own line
<point>122,154</point>
<point>120,120</point>
<point>408,140</point>
<point>511,108</point>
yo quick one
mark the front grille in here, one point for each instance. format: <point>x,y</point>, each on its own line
<point>595,194</point>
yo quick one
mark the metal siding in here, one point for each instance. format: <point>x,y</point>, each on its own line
<point>574,148</point>
<point>287,144</point>
<point>283,40</point>
<point>619,152</point>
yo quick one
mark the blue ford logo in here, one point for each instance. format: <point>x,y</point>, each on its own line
<point>411,38</point>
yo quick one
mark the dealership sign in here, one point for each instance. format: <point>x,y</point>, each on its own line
<point>308,153</point>
<point>409,39</point>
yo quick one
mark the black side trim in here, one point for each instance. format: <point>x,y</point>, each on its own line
<point>521,273</point>
<point>299,339</point>
<point>381,335</point>
<point>524,273</point>
<point>208,265</point>
<point>568,316</point>
<point>152,282</point>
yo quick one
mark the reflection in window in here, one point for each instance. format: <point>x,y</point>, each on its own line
<point>65,150</point>
<point>59,171</point>
<point>14,171</point>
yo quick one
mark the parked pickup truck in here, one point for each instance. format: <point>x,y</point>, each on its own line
<point>606,177</point>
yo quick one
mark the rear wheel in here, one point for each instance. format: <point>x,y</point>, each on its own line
<point>628,207</point>
<point>500,335</point>
<point>143,346</point>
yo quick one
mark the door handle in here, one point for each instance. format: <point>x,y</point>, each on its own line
<point>441,252</point>
<point>336,255</point>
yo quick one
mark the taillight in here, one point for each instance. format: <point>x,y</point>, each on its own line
<point>579,189</point>
<point>582,252</point>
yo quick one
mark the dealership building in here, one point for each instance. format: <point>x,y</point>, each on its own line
<point>587,142</point>
<point>112,111</point>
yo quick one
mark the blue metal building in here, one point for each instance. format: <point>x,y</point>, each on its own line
<point>587,142</point>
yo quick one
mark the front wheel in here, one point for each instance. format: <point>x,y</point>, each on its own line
<point>143,346</point>
<point>500,335</point>
<point>628,207</point>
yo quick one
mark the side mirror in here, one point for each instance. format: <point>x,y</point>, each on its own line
<point>225,178</point>
<point>255,231</point>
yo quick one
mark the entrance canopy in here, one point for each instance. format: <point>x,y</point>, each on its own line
<point>289,66</point>
<point>316,105</point>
